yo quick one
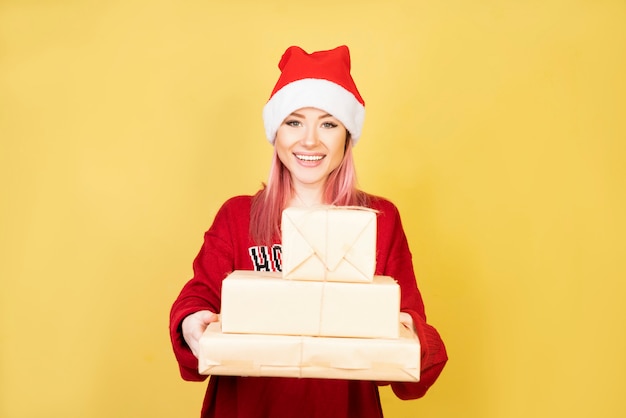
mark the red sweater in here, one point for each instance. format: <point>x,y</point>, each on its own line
<point>227,247</point>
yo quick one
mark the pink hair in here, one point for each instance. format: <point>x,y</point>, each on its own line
<point>268,204</point>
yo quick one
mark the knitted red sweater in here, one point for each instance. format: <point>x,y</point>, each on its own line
<point>227,247</point>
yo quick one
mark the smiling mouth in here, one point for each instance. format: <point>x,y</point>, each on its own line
<point>311,158</point>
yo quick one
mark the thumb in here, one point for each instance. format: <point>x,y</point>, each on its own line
<point>207,317</point>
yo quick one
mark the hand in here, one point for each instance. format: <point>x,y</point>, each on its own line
<point>407,321</point>
<point>193,327</point>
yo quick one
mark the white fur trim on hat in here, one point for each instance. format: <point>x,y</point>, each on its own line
<point>318,93</point>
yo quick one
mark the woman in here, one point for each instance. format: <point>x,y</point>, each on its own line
<point>313,118</point>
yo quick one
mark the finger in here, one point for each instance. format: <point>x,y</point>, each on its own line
<point>194,350</point>
<point>209,317</point>
<point>197,333</point>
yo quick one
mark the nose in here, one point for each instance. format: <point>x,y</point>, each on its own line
<point>310,137</point>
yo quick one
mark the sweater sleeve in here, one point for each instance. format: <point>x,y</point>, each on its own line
<point>399,265</point>
<point>212,264</point>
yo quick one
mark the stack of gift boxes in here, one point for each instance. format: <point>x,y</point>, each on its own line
<point>326,315</point>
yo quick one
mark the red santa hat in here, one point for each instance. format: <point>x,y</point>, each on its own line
<point>322,80</point>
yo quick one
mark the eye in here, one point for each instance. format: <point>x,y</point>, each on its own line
<point>293,122</point>
<point>329,125</point>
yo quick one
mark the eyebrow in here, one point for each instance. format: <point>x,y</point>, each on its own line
<point>326,115</point>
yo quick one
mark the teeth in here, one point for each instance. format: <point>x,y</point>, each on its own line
<point>309,157</point>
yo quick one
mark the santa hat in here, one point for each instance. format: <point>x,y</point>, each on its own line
<point>322,80</point>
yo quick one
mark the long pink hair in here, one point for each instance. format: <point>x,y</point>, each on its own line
<point>268,204</point>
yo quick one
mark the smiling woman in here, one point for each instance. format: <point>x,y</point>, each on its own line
<point>313,118</point>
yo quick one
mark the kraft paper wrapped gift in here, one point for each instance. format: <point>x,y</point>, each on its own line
<point>302,357</point>
<point>330,243</point>
<point>264,303</point>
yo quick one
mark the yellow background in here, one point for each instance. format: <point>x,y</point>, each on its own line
<point>496,126</point>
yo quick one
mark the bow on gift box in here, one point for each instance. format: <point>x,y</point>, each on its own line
<point>331,243</point>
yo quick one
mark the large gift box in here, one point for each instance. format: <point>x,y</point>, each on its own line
<point>301,356</point>
<point>329,243</point>
<point>264,303</point>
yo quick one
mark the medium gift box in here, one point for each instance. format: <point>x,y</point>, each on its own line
<point>314,357</point>
<point>264,303</point>
<point>329,243</point>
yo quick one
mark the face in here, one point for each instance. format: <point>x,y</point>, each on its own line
<point>311,144</point>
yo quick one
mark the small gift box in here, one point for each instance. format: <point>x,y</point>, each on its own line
<point>329,243</point>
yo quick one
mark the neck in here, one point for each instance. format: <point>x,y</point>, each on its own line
<point>307,197</point>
